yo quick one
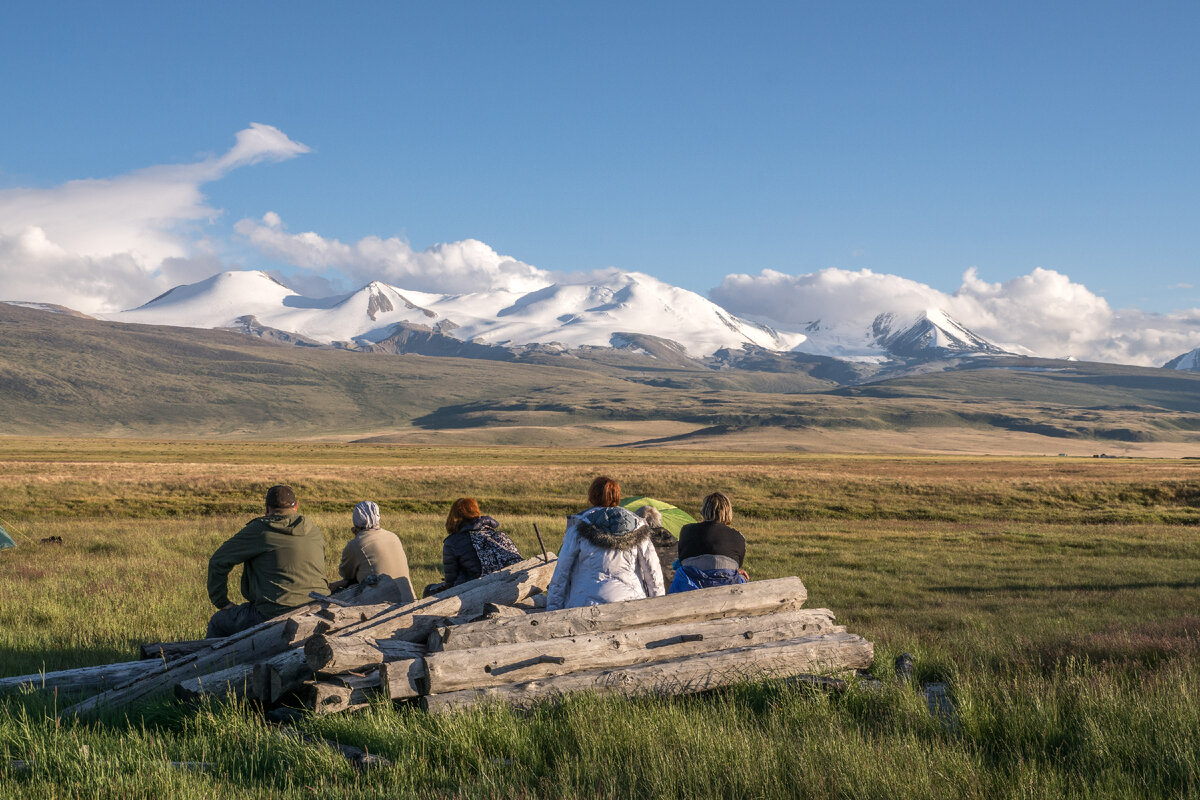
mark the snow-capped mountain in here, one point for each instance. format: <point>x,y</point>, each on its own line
<point>930,333</point>
<point>570,314</point>
<point>1189,361</point>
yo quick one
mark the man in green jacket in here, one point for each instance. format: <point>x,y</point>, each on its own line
<point>283,558</point>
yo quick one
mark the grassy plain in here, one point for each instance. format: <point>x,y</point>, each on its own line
<point>1057,597</point>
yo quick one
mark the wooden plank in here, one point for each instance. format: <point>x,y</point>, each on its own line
<point>232,682</point>
<point>403,678</point>
<point>452,670</point>
<point>169,651</point>
<point>824,653</point>
<point>341,693</point>
<point>747,599</point>
<point>331,655</point>
<point>415,621</point>
<point>83,680</point>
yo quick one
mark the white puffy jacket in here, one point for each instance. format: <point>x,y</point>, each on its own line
<point>606,557</point>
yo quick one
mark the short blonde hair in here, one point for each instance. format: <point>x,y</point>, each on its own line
<point>717,508</point>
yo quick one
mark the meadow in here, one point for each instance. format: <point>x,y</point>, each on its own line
<point>1057,597</point>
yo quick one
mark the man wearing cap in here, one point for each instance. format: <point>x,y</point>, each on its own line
<point>374,551</point>
<point>283,558</point>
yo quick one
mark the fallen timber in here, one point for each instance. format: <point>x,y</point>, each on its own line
<point>451,670</point>
<point>255,644</point>
<point>281,634</point>
<point>696,673</point>
<point>82,680</point>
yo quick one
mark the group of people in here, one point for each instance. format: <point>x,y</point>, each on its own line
<point>609,553</point>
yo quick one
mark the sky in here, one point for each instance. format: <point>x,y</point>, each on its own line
<point>1027,163</point>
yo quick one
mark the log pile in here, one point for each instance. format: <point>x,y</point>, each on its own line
<point>481,641</point>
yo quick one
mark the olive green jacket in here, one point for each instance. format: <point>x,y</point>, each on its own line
<point>283,558</point>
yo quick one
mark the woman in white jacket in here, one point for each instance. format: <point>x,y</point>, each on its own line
<point>606,555</point>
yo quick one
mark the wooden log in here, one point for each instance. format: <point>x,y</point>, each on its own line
<point>233,682</point>
<point>824,653</point>
<point>331,655</point>
<point>279,676</point>
<point>83,680</point>
<point>169,651</point>
<point>259,643</point>
<point>404,678</point>
<point>415,621</point>
<point>452,670</point>
<point>747,599</point>
<point>341,693</point>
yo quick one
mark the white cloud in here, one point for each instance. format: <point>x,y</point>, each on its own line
<point>104,244</point>
<point>456,267</point>
<point>1044,311</point>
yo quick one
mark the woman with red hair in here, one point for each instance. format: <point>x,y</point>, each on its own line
<point>474,544</point>
<point>606,555</point>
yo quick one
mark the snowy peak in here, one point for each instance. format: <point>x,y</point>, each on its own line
<point>933,333</point>
<point>1189,361</point>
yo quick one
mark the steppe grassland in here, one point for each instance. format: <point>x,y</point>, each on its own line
<point>1058,597</point>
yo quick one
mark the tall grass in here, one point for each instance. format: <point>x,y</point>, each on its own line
<point>1071,649</point>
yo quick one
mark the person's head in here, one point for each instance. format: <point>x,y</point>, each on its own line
<point>464,509</point>
<point>604,492</point>
<point>280,499</point>
<point>365,516</point>
<point>651,515</point>
<point>717,508</point>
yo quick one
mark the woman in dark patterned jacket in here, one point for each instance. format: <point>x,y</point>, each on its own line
<point>475,545</point>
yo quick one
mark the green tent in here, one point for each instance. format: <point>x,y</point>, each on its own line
<point>6,540</point>
<point>674,518</point>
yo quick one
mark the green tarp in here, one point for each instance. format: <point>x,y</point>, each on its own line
<point>6,540</point>
<point>674,518</point>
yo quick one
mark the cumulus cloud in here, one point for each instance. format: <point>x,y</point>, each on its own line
<point>104,244</point>
<point>1044,312</point>
<point>456,267</point>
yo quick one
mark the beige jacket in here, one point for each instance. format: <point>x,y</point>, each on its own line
<point>374,552</point>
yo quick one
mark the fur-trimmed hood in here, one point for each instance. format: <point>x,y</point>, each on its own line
<point>613,528</point>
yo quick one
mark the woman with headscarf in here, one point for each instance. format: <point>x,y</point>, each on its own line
<point>474,545</point>
<point>373,550</point>
<point>606,555</point>
<point>711,552</point>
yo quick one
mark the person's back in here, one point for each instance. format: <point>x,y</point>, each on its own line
<point>474,546</point>
<point>374,550</point>
<point>606,556</point>
<point>283,560</point>
<point>711,552</point>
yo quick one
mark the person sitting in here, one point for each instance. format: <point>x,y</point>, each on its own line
<point>606,555</point>
<point>474,546</point>
<point>374,551</point>
<point>282,555</point>
<point>710,552</point>
<point>665,543</point>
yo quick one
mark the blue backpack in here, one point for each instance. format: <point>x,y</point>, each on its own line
<point>688,578</point>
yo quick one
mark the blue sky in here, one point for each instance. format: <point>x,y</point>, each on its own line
<point>685,140</point>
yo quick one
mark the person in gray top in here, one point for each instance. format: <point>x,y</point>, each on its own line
<point>374,550</point>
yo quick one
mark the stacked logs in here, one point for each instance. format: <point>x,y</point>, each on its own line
<point>487,639</point>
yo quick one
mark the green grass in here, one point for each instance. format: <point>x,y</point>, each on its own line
<point>1057,598</point>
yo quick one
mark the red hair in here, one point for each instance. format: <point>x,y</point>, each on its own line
<point>463,510</point>
<point>604,492</point>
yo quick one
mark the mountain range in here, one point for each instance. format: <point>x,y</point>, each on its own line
<point>632,312</point>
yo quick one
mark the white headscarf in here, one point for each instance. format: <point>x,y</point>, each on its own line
<point>366,515</point>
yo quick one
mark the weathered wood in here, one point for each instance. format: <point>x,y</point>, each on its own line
<point>332,655</point>
<point>169,651</point>
<point>496,610</point>
<point>414,622</point>
<point>233,682</point>
<point>259,643</point>
<point>747,599</point>
<point>452,670</point>
<point>334,618</point>
<point>83,680</point>
<point>280,675</point>
<point>824,653</point>
<point>341,693</point>
<point>403,678</point>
